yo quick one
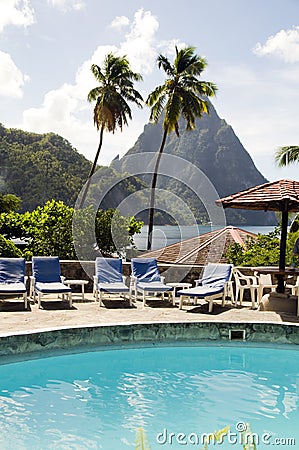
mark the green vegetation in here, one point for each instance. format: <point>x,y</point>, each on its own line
<point>112,111</point>
<point>182,94</point>
<point>9,202</point>
<point>287,155</point>
<point>8,248</point>
<point>264,251</point>
<point>40,167</point>
<point>48,230</point>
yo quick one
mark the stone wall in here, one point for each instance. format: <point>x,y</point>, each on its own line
<point>27,345</point>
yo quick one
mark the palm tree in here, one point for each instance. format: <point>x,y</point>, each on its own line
<point>287,155</point>
<point>116,88</point>
<point>283,157</point>
<point>182,94</point>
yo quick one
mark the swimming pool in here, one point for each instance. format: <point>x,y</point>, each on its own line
<point>99,399</point>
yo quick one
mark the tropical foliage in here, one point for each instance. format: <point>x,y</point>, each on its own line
<point>48,230</point>
<point>264,251</point>
<point>116,88</point>
<point>287,155</point>
<point>182,94</point>
<point>40,167</point>
<point>9,202</point>
<point>8,248</point>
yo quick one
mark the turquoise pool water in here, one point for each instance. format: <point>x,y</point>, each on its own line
<point>98,399</point>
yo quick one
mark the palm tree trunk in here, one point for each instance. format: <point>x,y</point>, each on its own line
<point>92,170</point>
<point>152,193</point>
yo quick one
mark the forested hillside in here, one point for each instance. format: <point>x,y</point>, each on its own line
<point>40,167</point>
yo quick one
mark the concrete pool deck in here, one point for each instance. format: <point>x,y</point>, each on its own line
<point>87,313</point>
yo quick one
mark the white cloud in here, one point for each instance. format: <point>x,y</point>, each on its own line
<point>284,45</point>
<point>11,78</point>
<point>65,5</point>
<point>16,12</point>
<point>140,44</point>
<point>66,111</point>
<point>119,22</point>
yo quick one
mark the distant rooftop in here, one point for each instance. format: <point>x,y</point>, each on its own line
<point>207,247</point>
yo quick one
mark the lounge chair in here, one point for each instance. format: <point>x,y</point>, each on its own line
<point>109,278</point>
<point>46,279</point>
<point>12,278</point>
<point>147,279</point>
<point>214,284</point>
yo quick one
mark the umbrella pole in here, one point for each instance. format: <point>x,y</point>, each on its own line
<point>283,244</point>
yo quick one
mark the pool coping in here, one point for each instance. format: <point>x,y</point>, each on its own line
<point>30,343</point>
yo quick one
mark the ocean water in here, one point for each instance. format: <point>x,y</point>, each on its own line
<point>166,235</point>
<point>99,399</point>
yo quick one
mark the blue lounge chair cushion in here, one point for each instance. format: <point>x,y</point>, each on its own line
<point>155,286</point>
<point>12,288</point>
<point>202,291</point>
<point>109,270</point>
<point>49,288</point>
<point>46,269</point>
<point>214,273</point>
<point>145,270</point>
<point>113,287</point>
<point>12,270</point>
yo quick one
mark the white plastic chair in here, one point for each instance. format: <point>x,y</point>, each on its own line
<point>243,282</point>
<point>264,282</point>
<point>295,288</point>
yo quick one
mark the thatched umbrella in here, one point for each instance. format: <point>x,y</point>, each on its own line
<point>282,196</point>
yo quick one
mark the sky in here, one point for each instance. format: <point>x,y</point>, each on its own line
<point>252,50</point>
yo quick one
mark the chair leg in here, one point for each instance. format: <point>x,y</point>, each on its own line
<point>25,300</point>
<point>210,300</point>
<point>223,298</point>
<point>252,294</point>
<point>260,290</point>
<point>70,299</point>
<point>143,297</point>
<point>39,299</point>
<point>173,296</point>
<point>130,298</point>
<point>181,302</point>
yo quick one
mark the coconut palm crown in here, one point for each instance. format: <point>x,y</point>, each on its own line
<point>112,97</point>
<point>287,155</point>
<point>181,95</point>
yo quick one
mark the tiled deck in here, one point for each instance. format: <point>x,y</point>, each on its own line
<point>56,314</point>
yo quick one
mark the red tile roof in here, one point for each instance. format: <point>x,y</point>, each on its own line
<point>208,247</point>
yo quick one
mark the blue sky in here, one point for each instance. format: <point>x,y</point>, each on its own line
<point>252,49</point>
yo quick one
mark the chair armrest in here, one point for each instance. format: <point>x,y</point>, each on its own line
<point>163,280</point>
<point>251,278</point>
<point>124,279</point>
<point>62,278</point>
